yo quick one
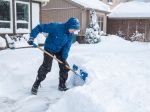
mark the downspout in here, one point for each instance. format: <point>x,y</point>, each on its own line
<point>40,13</point>
<point>82,11</point>
<point>30,15</point>
<point>13,14</point>
<point>81,35</point>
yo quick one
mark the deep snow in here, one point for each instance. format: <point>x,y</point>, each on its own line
<point>93,4</point>
<point>118,81</point>
<point>132,9</point>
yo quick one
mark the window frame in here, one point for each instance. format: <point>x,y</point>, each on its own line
<point>8,30</point>
<point>16,21</point>
<point>101,22</point>
<point>109,1</point>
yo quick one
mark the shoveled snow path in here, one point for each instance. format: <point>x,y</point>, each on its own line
<point>19,70</point>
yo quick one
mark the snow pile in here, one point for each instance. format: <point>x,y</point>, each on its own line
<point>5,30</point>
<point>93,4</point>
<point>131,10</point>
<point>118,81</point>
<point>2,42</point>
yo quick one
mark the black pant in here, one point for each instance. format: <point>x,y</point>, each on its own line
<point>46,67</point>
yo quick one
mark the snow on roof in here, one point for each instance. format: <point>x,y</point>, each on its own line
<point>134,9</point>
<point>93,4</point>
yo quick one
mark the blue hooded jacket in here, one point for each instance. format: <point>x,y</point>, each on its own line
<point>59,39</point>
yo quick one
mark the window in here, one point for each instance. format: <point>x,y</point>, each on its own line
<point>22,17</point>
<point>5,16</point>
<point>110,1</point>
<point>101,22</point>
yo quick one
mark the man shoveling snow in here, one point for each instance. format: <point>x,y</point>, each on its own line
<point>58,43</point>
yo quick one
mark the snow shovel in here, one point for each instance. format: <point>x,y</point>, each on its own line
<point>80,75</point>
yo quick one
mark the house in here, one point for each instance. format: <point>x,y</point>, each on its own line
<point>19,16</point>
<point>111,3</point>
<point>129,17</point>
<point>61,10</point>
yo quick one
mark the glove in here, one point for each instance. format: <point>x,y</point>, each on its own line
<point>30,41</point>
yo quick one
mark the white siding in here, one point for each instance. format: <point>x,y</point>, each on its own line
<point>35,14</point>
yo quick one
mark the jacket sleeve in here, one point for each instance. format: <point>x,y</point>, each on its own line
<point>66,49</point>
<point>46,28</point>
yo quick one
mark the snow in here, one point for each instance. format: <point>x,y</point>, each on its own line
<point>134,9</point>
<point>2,42</point>
<point>6,30</point>
<point>23,30</point>
<point>118,81</point>
<point>22,21</point>
<point>92,34</point>
<point>93,4</point>
<point>17,42</point>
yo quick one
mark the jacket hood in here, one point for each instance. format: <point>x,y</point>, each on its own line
<point>73,23</point>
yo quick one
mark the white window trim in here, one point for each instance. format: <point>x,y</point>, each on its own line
<point>22,30</point>
<point>101,22</point>
<point>110,2</point>
<point>8,30</point>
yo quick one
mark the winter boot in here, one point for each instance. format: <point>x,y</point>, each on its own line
<point>62,86</point>
<point>35,87</point>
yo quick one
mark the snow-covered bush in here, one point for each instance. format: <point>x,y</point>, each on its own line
<point>137,37</point>
<point>2,43</point>
<point>92,34</point>
<point>102,33</point>
<point>120,34</point>
<point>18,41</point>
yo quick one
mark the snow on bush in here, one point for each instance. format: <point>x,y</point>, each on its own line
<point>18,41</point>
<point>2,43</point>
<point>40,39</point>
<point>137,37</point>
<point>120,34</point>
<point>92,34</point>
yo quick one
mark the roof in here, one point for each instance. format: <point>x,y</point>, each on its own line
<point>93,4</point>
<point>134,9</point>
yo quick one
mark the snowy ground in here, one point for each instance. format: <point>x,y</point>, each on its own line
<point>119,79</point>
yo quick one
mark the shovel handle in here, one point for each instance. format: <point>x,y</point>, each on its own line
<point>59,61</point>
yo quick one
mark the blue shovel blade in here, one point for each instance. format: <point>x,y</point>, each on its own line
<point>83,74</point>
<point>75,67</point>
